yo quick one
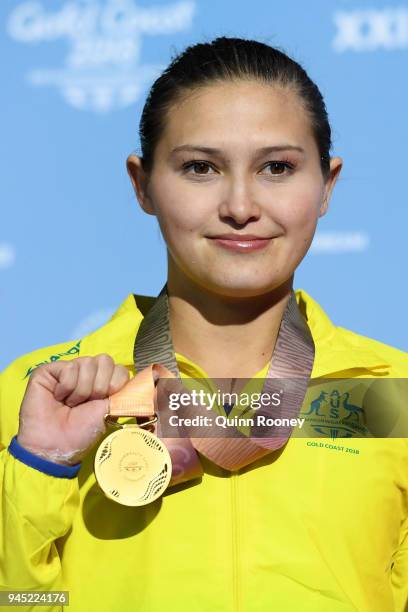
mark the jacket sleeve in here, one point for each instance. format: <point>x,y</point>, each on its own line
<point>35,508</point>
<point>399,572</point>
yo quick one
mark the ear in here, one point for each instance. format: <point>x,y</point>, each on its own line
<point>336,164</point>
<point>139,180</point>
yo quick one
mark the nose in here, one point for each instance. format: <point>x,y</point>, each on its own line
<point>239,203</point>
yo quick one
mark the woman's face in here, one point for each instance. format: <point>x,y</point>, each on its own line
<point>235,161</point>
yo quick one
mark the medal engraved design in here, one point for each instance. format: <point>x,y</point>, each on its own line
<point>132,466</point>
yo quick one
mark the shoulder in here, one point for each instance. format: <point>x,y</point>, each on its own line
<point>115,337</point>
<point>25,364</point>
<point>106,338</point>
<point>396,358</point>
<point>342,348</point>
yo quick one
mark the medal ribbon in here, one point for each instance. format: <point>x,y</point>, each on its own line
<point>288,374</point>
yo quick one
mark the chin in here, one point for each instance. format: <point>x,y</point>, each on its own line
<point>242,288</point>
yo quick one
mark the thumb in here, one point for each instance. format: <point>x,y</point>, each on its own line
<point>91,414</point>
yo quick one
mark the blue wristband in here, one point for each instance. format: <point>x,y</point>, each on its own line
<point>42,465</point>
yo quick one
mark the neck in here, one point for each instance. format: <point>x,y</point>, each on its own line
<point>227,337</point>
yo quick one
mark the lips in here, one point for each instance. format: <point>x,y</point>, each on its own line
<point>241,242</point>
<point>240,237</point>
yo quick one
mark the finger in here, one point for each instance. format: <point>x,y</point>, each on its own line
<point>119,378</point>
<point>86,376</point>
<point>105,368</point>
<point>67,378</point>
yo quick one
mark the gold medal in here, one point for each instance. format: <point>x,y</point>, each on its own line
<point>132,466</point>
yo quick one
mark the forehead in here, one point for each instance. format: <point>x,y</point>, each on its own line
<point>238,112</point>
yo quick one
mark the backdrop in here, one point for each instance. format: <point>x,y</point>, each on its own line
<point>74,75</point>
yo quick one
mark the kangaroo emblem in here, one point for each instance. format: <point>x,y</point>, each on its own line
<point>317,403</point>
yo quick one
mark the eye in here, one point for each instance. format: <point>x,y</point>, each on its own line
<point>278,167</point>
<point>200,167</point>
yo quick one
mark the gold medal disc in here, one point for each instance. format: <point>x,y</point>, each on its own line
<point>132,466</point>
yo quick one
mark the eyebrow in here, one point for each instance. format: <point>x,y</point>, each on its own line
<point>215,151</point>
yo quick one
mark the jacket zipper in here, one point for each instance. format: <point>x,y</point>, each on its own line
<point>235,544</point>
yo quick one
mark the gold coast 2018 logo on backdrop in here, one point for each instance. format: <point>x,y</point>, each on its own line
<point>102,70</point>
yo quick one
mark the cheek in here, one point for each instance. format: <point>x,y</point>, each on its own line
<point>300,211</point>
<point>178,214</point>
<point>179,219</point>
<point>176,222</point>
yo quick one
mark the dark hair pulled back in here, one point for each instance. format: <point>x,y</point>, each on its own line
<point>225,59</point>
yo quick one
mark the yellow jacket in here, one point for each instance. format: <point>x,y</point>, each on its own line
<point>308,528</point>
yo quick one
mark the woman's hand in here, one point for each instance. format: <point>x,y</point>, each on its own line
<point>61,415</point>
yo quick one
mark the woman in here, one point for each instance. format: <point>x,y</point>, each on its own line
<point>235,165</point>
